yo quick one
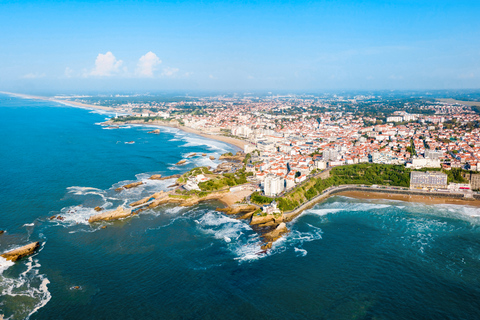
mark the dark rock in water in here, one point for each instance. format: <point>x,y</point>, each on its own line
<point>104,227</point>
<point>2,231</point>
<point>60,218</point>
<point>156,131</point>
<point>266,246</point>
<point>129,186</point>
<point>52,217</point>
<point>98,209</point>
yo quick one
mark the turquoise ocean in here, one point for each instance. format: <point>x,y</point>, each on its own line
<point>343,259</point>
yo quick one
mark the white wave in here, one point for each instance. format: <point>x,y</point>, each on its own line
<point>74,215</point>
<point>28,225</point>
<point>237,235</point>
<point>174,210</point>
<point>81,191</point>
<point>5,264</point>
<point>213,145</point>
<point>27,292</point>
<point>301,252</point>
<point>322,212</point>
<point>464,210</point>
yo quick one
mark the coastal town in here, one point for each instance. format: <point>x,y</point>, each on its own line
<point>298,151</point>
<point>291,137</point>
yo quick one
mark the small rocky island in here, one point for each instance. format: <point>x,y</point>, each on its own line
<point>21,252</point>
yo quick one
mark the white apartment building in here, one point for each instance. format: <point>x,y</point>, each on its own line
<point>273,185</point>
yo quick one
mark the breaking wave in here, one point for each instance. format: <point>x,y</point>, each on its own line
<point>23,290</point>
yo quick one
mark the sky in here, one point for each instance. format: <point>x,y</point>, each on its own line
<point>75,46</point>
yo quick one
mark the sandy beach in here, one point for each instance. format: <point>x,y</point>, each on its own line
<point>235,142</point>
<point>409,198</point>
<point>64,102</point>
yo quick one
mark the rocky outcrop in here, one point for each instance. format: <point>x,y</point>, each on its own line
<point>238,209</point>
<point>19,253</point>
<point>192,155</point>
<point>247,215</point>
<point>156,195</point>
<point>262,219</point>
<point>212,158</point>
<point>181,162</point>
<point>274,235</point>
<point>2,231</point>
<point>129,186</point>
<point>156,131</point>
<point>204,154</point>
<point>116,214</point>
<point>98,209</point>
<point>159,177</point>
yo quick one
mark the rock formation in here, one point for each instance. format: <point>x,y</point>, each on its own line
<point>16,254</point>
<point>212,158</point>
<point>129,186</point>
<point>156,195</point>
<point>192,155</point>
<point>116,214</point>
<point>181,162</point>
<point>155,177</point>
<point>156,131</point>
<point>274,235</point>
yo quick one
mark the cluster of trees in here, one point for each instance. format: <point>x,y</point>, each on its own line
<point>257,198</point>
<point>227,179</point>
<point>372,173</point>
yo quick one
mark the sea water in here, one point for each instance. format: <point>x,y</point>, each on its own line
<point>343,259</point>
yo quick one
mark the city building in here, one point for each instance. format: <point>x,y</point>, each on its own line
<point>428,180</point>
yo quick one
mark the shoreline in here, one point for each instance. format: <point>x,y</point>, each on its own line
<point>364,195</point>
<point>367,193</point>
<point>240,144</point>
<point>73,104</point>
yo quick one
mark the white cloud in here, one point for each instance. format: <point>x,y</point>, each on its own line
<point>68,72</point>
<point>147,65</point>
<point>34,76</point>
<point>168,71</point>
<point>106,65</point>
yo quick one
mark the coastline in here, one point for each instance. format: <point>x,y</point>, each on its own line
<point>74,104</point>
<point>232,141</point>
<point>366,193</point>
<point>407,198</point>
